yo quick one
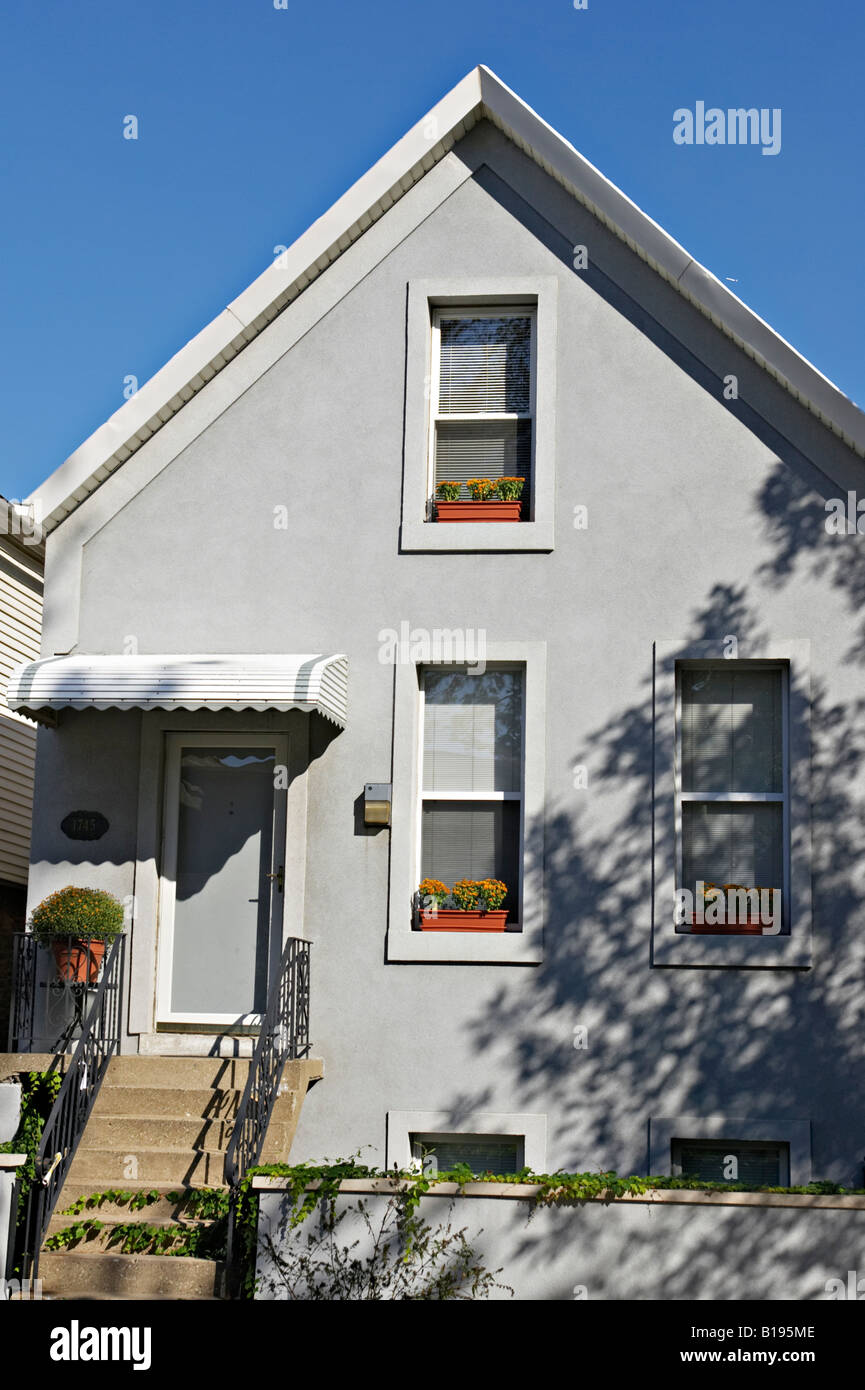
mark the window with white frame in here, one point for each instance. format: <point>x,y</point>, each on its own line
<point>482,397</point>
<point>720,1160</point>
<point>733,796</point>
<point>482,1153</point>
<point>472,777</point>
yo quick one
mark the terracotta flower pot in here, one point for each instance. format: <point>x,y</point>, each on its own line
<point>478,511</point>
<point>71,959</point>
<point>453,919</point>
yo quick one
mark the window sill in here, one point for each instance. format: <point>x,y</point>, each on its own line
<point>477,535</point>
<point>732,949</point>
<point>468,947</point>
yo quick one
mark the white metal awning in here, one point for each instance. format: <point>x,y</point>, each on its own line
<point>218,682</point>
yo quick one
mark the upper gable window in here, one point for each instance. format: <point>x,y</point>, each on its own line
<point>482,416</point>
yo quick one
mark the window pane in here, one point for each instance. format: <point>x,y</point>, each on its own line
<point>484,449</point>
<point>472,839</point>
<point>764,1165</point>
<point>483,1155</point>
<point>731,730</point>
<point>473,731</point>
<point>485,365</point>
<point>726,842</point>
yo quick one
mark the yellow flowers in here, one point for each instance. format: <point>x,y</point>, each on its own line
<point>83,912</point>
<point>467,895</point>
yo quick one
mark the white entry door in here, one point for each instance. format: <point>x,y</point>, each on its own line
<point>222,883</point>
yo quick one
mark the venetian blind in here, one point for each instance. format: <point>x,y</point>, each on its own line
<point>485,366</point>
<point>731,731</point>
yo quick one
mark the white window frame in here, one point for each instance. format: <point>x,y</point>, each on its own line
<point>469,1124</point>
<point>734,1129</point>
<point>440,312</point>
<point>494,294</point>
<point>730,798</point>
<point>524,947</point>
<point>792,948</point>
<point>482,796</point>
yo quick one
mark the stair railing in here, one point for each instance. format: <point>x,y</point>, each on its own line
<point>99,1040</point>
<point>283,1037</point>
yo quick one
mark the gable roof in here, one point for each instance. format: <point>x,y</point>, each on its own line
<point>480,95</point>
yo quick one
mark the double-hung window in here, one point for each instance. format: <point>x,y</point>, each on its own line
<point>482,398</point>
<point>733,796</point>
<point>471,799</point>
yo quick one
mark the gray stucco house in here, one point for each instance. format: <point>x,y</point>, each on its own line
<point>647,680</point>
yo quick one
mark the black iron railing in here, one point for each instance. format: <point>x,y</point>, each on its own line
<point>99,1040</point>
<point>50,998</point>
<point>284,1036</point>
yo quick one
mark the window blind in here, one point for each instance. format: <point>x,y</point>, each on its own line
<point>485,365</point>
<point>472,731</point>
<point>732,842</point>
<point>472,839</point>
<point>763,1165</point>
<point>486,1155</point>
<point>483,449</point>
<point>731,731</point>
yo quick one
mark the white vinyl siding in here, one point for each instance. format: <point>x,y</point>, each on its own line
<point>20,630</point>
<point>483,396</point>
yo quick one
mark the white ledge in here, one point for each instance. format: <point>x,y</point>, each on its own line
<point>529,1191</point>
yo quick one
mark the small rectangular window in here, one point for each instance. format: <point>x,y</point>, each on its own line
<point>482,1153</point>
<point>733,800</point>
<point>472,778</point>
<point>717,1160</point>
<point>482,398</point>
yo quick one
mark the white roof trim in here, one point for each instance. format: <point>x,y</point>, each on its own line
<point>479,95</point>
<point>218,682</point>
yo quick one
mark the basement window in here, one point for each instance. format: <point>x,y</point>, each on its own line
<point>482,1153</point>
<point>720,1160</point>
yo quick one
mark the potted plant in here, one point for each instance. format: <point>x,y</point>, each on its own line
<point>751,925</point>
<point>78,923</point>
<point>497,500</point>
<point>472,905</point>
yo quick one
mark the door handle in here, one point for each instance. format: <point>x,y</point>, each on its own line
<point>280,878</point>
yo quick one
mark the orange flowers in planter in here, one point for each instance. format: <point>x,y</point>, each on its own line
<point>486,894</point>
<point>472,905</point>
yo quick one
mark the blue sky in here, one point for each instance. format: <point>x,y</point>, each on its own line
<point>253,120</point>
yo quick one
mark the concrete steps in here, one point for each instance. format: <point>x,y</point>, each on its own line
<point>71,1274</point>
<point>168,1120</point>
<point>119,1216</point>
<point>170,1206</point>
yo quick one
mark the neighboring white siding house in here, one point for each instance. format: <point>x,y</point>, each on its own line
<point>21,567</point>
<point>22,561</point>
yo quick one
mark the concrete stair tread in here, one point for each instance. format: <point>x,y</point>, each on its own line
<point>119,1217</point>
<point>69,1273</point>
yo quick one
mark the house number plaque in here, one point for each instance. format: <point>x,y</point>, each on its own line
<point>84,825</point>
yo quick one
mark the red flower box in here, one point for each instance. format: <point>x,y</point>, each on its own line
<point>454,919</point>
<point>752,926</point>
<point>478,511</point>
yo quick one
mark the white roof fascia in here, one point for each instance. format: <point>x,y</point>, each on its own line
<point>479,95</point>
